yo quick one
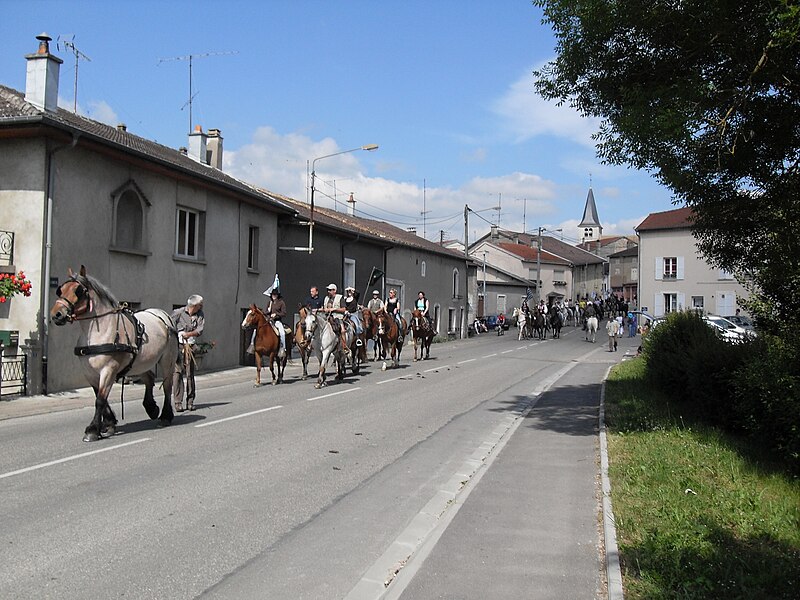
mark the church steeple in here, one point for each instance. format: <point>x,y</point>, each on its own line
<point>590,228</point>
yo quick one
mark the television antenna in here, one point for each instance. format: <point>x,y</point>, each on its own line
<point>190,58</point>
<point>69,44</point>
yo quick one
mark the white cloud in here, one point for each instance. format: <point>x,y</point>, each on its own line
<point>525,115</point>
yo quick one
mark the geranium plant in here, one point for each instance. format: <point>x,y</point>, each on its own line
<point>11,285</point>
<point>201,348</point>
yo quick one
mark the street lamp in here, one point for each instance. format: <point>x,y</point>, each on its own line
<point>367,147</point>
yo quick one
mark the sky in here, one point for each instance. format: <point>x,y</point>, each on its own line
<point>445,88</point>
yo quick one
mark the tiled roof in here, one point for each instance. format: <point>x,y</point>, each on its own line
<point>15,112</point>
<point>679,218</point>
<point>377,230</point>
<point>554,246</point>
<point>632,251</point>
<point>529,254</point>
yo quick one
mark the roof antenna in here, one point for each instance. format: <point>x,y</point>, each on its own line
<point>190,58</point>
<point>69,44</point>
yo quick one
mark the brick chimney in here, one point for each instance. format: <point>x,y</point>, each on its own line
<point>214,148</point>
<point>198,145</point>
<point>351,205</point>
<point>41,81</point>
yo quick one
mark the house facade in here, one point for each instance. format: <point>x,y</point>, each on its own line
<point>153,224</point>
<point>623,270</point>
<point>672,274</point>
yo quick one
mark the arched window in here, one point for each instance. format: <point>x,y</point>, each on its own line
<point>422,269</point>
<point>129,232</point>
<point>455,283</point>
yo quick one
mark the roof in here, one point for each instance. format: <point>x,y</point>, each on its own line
<point>556,247</point>
<point>632,251</point>
<point>590,218</point>
<point>377,230</point>
<point>679,218</point>
<point>16,113</point>
<point>530,254</point>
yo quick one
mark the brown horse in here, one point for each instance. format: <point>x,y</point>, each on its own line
<point>267,343</point>
<point>303,342</point>
<point>391,335</point>
<point>422,334</point>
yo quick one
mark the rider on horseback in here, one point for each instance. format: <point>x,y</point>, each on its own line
<point>333,308</point>
<point>393,308</point>
<point>352,308</point>
<point>375,304</point>
<point>276,309</point>
<point>423,305</point>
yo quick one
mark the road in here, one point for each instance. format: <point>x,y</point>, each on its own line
<point>288,491</point>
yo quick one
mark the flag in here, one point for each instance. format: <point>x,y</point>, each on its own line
<point>528,293</point>
<point>374,276</point>
<point>275,286</point>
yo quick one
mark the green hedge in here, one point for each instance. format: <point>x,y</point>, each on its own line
<point>751,387</point>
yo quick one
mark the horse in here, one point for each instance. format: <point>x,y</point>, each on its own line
<point>539,324</point>
<point>591,328</point>
<point>358,353</point>
<point>571,316</point>
<point>391,334</point>
<point>556,322</point>
<point>422,334</point>
<point>115,342</point>
<point>325,342</point>
<point>267,343</point>
<point>303,344</point>
<point>371,333</point>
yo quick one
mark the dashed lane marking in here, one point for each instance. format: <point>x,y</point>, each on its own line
<point>247,414</point>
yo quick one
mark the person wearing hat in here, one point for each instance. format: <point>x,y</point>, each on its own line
<point>352,307</point>
<point>333,307</point>
<point>276,309</point>
<point>375,304</point>
<point>189,322</point>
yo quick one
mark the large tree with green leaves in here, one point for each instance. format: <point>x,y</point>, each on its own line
<point>705,94</point>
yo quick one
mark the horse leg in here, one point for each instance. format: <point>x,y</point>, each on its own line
<point>149,403</point>
<point>167,364</point>
<point>258,369</point>
<point>272,360</point>
<point>323,360</point>
<point>102,411</point>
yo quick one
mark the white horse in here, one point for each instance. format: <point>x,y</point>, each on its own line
<point>325,343</point>
<point>520,316</point>
<point>115,342</point>
<point>591,329</point>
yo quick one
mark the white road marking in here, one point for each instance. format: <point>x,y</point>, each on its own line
<point>248,414</point>
<point>506,351</point>
<point>332,394</point>
<point>69,458</point>
<point>522,348</point>
<point>392,379</point>
<point>466,361</point>
<point>437,368</point>
<point>489,355</point>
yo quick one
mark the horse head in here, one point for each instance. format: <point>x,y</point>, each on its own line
<point>310,325</point>
<point>73,298</point>
<point>251,318</point>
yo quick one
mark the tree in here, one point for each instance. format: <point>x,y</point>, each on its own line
<point>704,94</point>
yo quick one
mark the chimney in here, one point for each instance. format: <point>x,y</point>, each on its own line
<point>412,230</point>
<point>495,232</point>
<point>122,127</point>
<point>41,80</point>
<point>197,145</point>
<point>351,205</point>
<point>214,148</point>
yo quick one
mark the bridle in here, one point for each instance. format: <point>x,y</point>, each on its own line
<point>74,310</point>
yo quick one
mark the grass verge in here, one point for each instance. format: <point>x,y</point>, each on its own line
<point>698,514</point>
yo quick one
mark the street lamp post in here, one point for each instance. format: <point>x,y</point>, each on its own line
<point>367,147</point>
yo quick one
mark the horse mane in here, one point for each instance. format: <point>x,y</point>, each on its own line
<point>103,293</point>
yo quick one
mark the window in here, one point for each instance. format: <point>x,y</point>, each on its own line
<point>422,269</point>
<point>349,272</point>
<point>559,278</point>
<point>189,233</point>
<point>670,267</point>
<point>698,303</point>
<point>129,219</point>
<point>723,274</point>
<point>455,283</point>
<point>588,232</point>
<point>451,320</point>
<point>252,249</point>
<point>670,303</point>
<point>634,273</point>
<point>501,303</point>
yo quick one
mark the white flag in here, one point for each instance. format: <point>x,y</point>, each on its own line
<point>275,286</point>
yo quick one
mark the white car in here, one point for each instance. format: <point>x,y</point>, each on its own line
<point>730,331</point>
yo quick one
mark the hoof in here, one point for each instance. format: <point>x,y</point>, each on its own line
<point>109,431</point>
<point>90,437</point>
<point>151,408</point>
<point>163,423</point>
<point>304,377</point>
<point>383,367</point>
<point>257,384</point>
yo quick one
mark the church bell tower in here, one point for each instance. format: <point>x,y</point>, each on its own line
<point>589,229</point>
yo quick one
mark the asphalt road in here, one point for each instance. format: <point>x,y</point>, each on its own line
<point>292,492</point>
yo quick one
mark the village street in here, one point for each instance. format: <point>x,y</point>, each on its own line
<point>472,474</point>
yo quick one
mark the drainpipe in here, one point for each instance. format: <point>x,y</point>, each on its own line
<point>45,285</point>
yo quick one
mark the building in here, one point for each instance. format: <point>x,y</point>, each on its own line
<point>672,274</point>
<point>623,267</point>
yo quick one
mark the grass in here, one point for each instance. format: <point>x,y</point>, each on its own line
<point>699,514</point>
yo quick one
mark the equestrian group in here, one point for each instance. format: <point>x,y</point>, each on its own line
<point>542,319</point>
<point>117,343</point>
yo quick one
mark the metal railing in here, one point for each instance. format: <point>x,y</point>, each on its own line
<point>6,248</point>
<point>13,373</point>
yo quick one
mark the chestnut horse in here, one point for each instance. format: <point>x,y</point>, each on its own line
<point>303,344</point>
<point>267,343</point>
<point>115,342</point>
<point>422,334</point>
<point>390,334</point>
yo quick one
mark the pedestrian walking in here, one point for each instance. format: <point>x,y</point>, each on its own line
<point>189,321</point>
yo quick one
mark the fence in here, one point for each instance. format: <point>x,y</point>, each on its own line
<point>13,373</point>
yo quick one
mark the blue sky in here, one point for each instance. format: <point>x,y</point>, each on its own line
<point>444,87</point>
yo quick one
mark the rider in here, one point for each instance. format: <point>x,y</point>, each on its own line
<point>333,307</point>
<point>423,305</point>
<point>392,307</point>
<point>276,309</point>
<point>375,304</point>
<point>313,301</point>
<point>352,307</point>
<point>501,321</point>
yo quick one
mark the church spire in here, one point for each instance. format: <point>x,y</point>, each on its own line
<point>590,228</point>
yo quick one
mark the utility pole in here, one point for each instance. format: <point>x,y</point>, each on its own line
<point>70,45</point>
<point>190,58</point>
<point>424,212</point>
<point>538,266</point>
<point>465,320</point>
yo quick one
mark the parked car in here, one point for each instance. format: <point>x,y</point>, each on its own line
<point>730,331</point>
<point>741,321</point>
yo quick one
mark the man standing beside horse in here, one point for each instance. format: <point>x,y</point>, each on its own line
<point>189,322</point>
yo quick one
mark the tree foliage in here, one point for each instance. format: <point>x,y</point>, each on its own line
<point>705,94</point>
